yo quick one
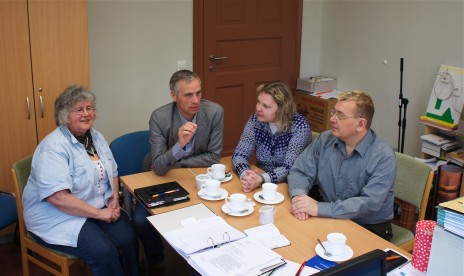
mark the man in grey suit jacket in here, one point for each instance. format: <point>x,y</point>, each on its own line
<point>171,135</point>
<point>188,132</point>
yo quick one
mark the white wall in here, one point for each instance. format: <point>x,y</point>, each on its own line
<point>311,38</point>
<point>357,36</point>
<point>135,45</point>
<point>134,48</point>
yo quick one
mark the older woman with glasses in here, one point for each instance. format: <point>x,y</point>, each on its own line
<point>276,133</point>
<point>71,201</point>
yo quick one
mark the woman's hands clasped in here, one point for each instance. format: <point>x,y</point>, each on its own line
<point>113,204</point>
<point>112,212</point>
<point>250,180</point>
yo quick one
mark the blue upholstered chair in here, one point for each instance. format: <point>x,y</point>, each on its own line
<point>129,150</point>
<point>8,209</point>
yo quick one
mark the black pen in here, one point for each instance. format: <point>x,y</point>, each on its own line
<point>162,193</point>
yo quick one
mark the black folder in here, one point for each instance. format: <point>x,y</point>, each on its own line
<point>161,194</point>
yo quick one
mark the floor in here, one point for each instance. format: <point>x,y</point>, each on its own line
<point>10,263</point>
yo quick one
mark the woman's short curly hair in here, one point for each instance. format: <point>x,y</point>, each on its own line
<point>71,95</point>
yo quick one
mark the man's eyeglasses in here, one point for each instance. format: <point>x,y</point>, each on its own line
<point>340,116</point>
<point>80,110</point>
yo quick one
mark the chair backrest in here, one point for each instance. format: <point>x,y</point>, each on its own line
<point>55,262</point>
<point>314,135</point>
<point>129,150</point>
<point>413,181</point>
<point>8,209</point>
<point>21,171</point>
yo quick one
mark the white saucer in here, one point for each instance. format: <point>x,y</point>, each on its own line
<point>225,209</point>
<point>222,194</point>
<point>340,258</point>
<point>225,179</point>
<point>278,199</point>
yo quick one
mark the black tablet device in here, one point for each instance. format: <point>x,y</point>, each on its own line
<point>372,263</point>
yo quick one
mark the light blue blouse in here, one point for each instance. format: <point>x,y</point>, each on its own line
<point>59,163</point>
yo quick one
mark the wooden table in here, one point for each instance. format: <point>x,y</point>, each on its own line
<point>301,234</point>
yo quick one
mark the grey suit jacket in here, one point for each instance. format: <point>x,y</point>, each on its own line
<point>164,125</point>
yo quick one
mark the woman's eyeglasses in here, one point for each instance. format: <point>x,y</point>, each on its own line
<point>80,110</point>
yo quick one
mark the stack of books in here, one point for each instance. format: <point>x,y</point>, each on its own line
<point>451,216</point>
<point>438,146</point>
<point>456,157</point>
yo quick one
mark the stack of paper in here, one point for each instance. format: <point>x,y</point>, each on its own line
<point>268,235</point>
<point>451,216</point>
<point>243,257</point>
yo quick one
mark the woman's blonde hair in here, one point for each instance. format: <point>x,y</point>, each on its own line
<point>282,95</point>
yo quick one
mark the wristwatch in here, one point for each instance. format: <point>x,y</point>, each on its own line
<point>262,180</point>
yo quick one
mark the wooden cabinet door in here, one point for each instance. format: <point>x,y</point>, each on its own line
<point>60,54</point>
<point>18,134</point>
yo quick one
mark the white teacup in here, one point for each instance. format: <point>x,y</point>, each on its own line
<point>201,179</point>
<point>217,171</point>
<point>267,214</point>
<point>336,243</point>
<point>211,187</point>
<point>269,191</point>
<point>236,202</point>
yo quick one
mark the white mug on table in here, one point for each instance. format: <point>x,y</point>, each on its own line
<point>336,244</point>
<point>269,191</point>
<point>201,179</point>
<point>211,187</point>
<point>217,171</point>
<point>236,202</point>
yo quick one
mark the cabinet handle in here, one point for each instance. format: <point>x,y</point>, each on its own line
<point>28,108</point>
<point>42,106</point>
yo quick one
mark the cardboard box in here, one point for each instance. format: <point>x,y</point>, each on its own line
<point>316,110</point>
<point>316,84</point>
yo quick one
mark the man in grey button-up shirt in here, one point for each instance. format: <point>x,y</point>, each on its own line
<point>354,168</point>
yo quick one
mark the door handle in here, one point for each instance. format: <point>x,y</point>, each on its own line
<point>214,58</point>
<point>28,108</point>
<point>42,106</point>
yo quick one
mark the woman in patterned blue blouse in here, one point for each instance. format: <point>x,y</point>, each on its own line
<point>277,134</point>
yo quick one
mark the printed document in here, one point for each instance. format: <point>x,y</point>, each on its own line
<point>243,257</point>
<point>268,235</point>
